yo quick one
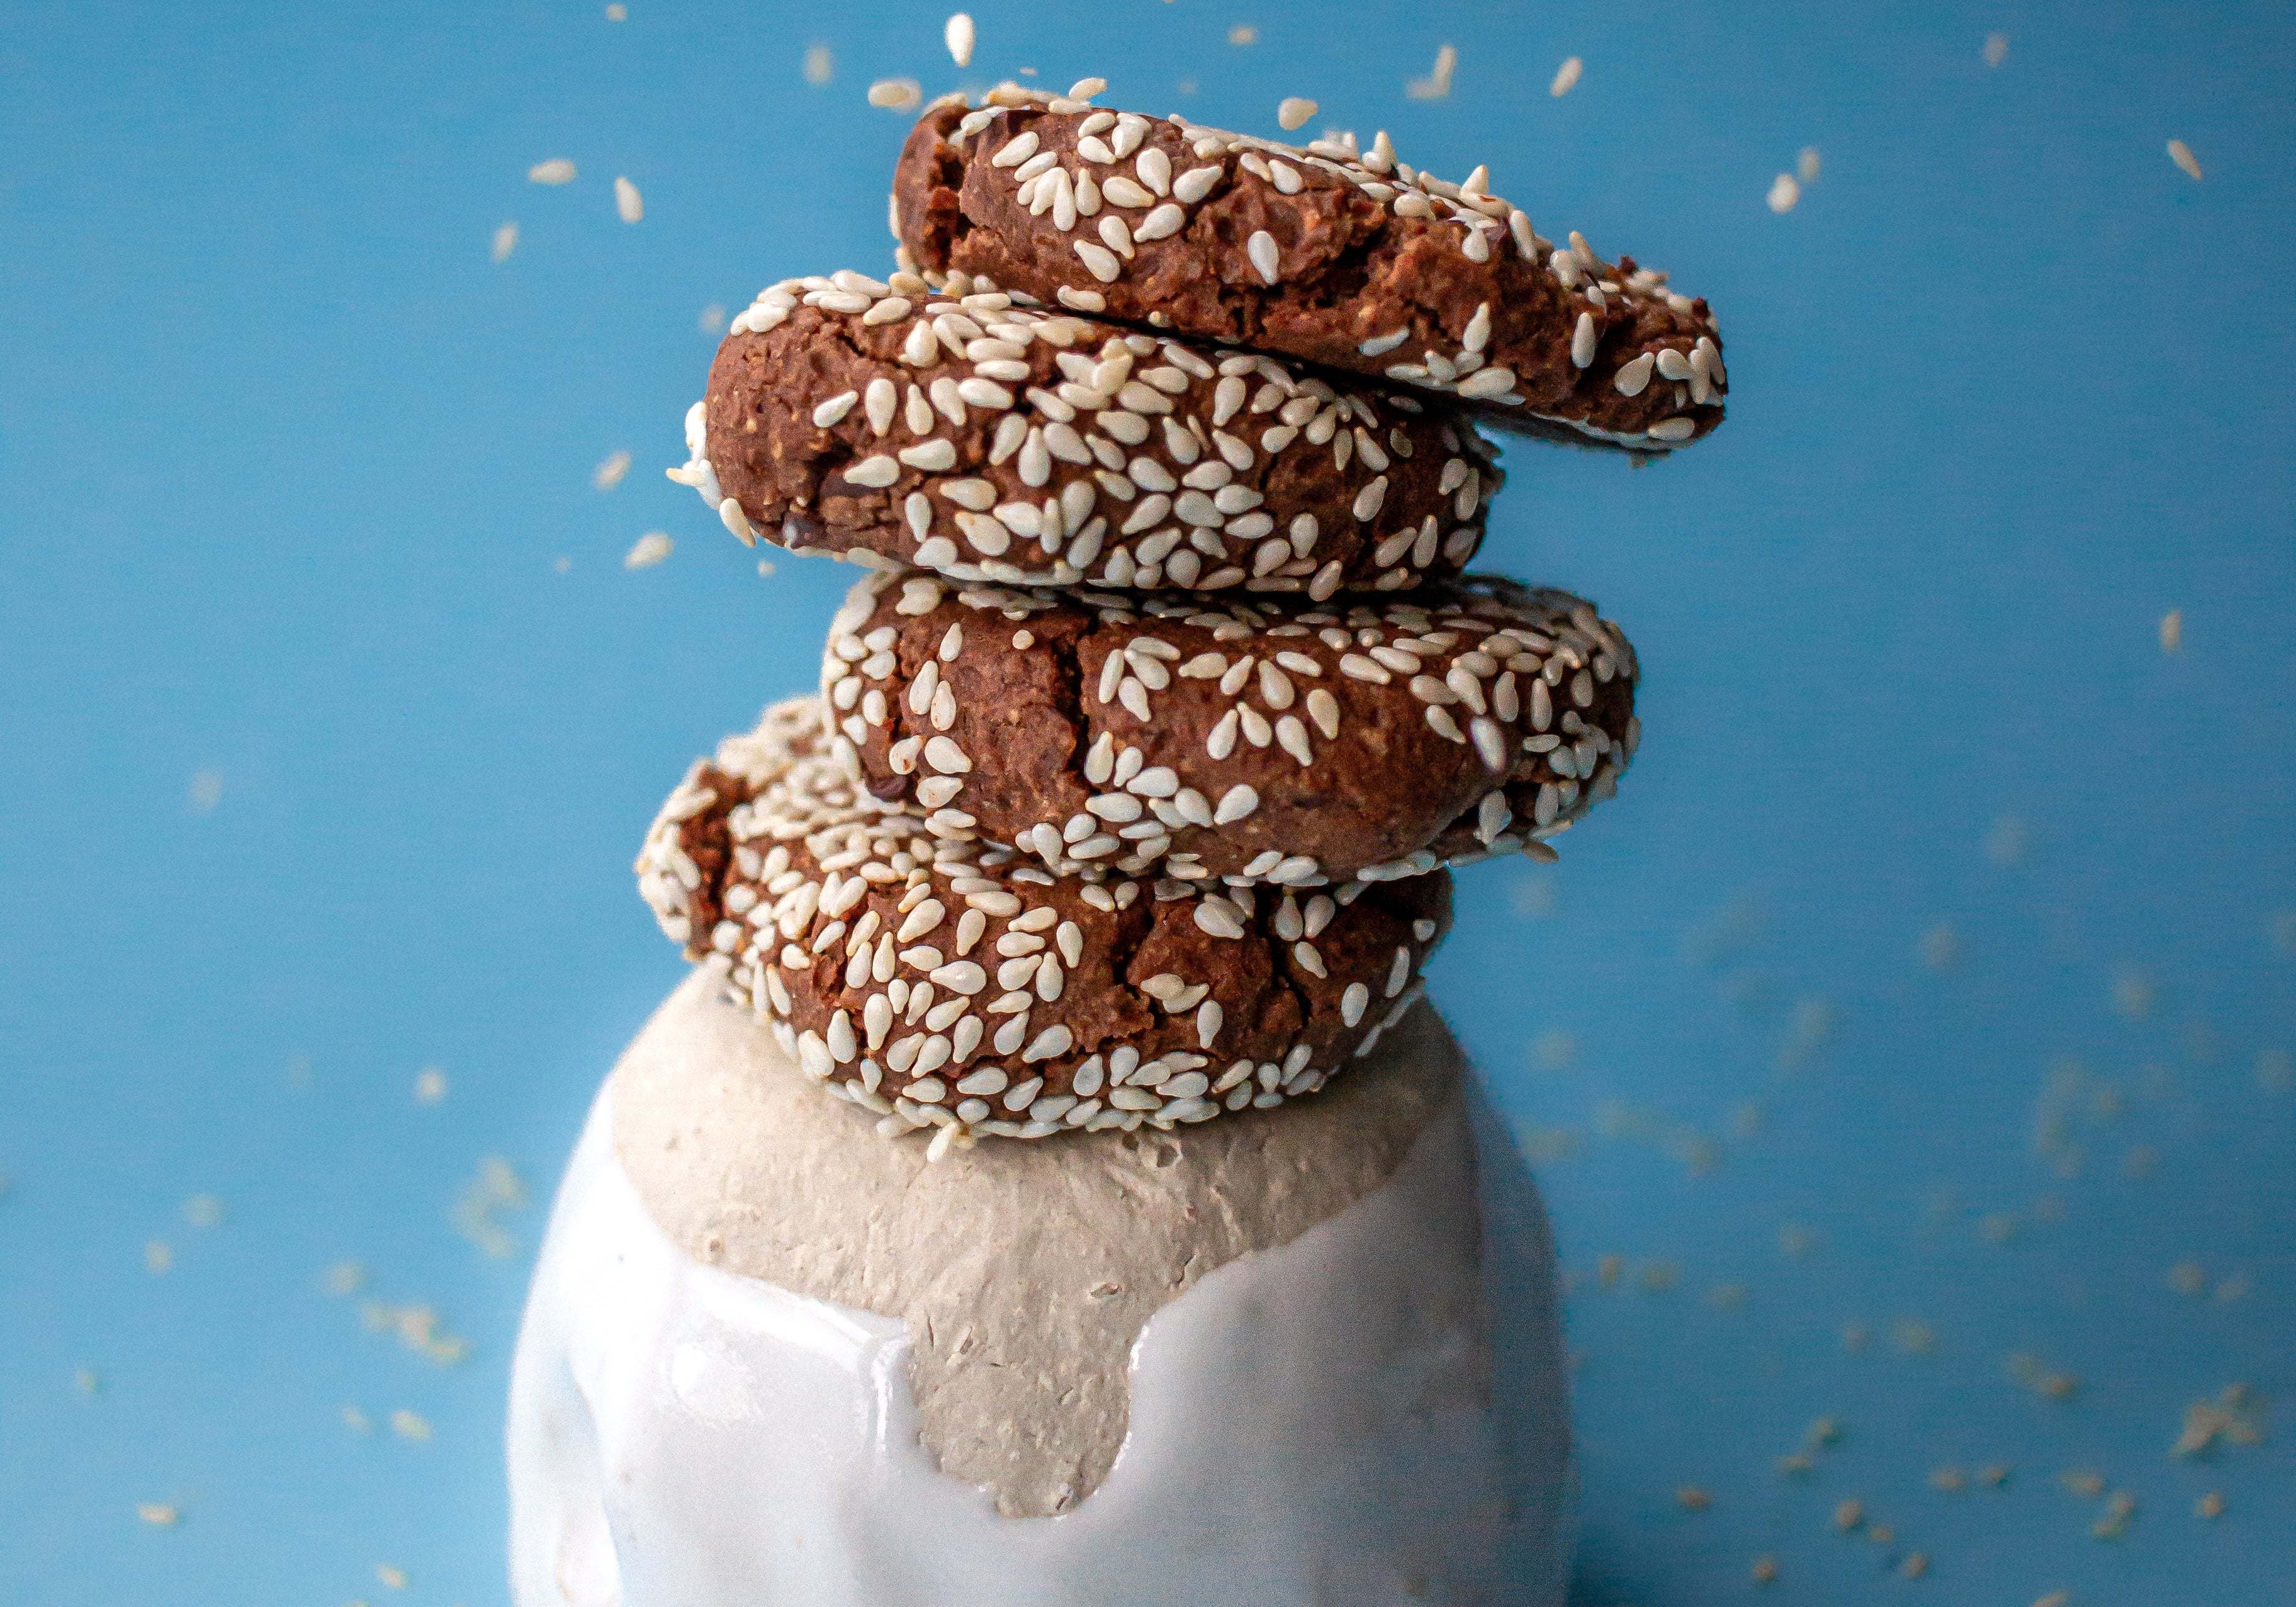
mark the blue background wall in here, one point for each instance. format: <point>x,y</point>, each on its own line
<point>1923,1003</point>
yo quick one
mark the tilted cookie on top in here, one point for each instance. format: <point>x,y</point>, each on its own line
<point>1324,253</point>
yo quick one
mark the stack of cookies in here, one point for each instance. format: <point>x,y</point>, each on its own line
<point>1146,744</point>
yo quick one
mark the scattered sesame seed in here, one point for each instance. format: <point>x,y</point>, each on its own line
<point>206,791</point>
<point>345,1278</point>
<point>2181,155</point>
<point>627,201</point>
<point>895,94</point>
<point>712,318</point>
<point>159,1256</point>
<point>1242,34</point>
<point>957,34</point>
<point>1566,78</point>
<point>1293,110</point>
<point>203,1210</point>
<point>1437,85</point>
<point>505,242</point>
<point>1764,1571</point>
<point>429,1086</point>
<point>820,65</point>
<point>650,549</point>
<point>393,1577</point>
<point>1997,49</point>
<point>2172,630</point>
<point>1849,1514</point>
<point>1914,1564</point>
<point>410,1425</point>
<point>1806,165</point>
<point>618,12</point>
<point>557,170</point>
<point>1692,1499</point>
<point>1784,192</point>
<point>159,1514</point>
<point>1940,946</point>
<point>609,474</point>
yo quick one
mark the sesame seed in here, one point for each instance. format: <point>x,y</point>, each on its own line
<point>1566,78</point>
<point>2186,163</point>
<point>1262,249</point>
<point>957,34</point>
<point>895,94</point>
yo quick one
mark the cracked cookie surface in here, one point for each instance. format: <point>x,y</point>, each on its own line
<point>995,441</point>
<point>1324,252</point>
<point>1252,739</point>
<point>946,985</point>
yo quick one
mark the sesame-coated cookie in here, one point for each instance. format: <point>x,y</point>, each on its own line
<point>942,984</point>
<point>1249,739</point>
<point>998,442</point>
<point>1322,252</point>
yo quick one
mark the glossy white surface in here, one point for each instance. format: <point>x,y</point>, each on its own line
<point>1307,1424</point>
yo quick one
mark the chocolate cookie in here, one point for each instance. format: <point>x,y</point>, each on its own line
<point>999,442</point>
<point>943,984</point>
<point>1322,252</point>
<point>1248,739</point>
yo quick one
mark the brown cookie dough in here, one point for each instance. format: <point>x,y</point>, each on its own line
<point>1322,252</point>
<point>998,442</point>
<point>943,984</point>
<point>1248,739</point>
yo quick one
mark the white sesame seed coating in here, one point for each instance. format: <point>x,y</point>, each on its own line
<point>1460,280</point>
<point>1009,444</point>
<point>831,918</point>
<point>1252,739</point>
